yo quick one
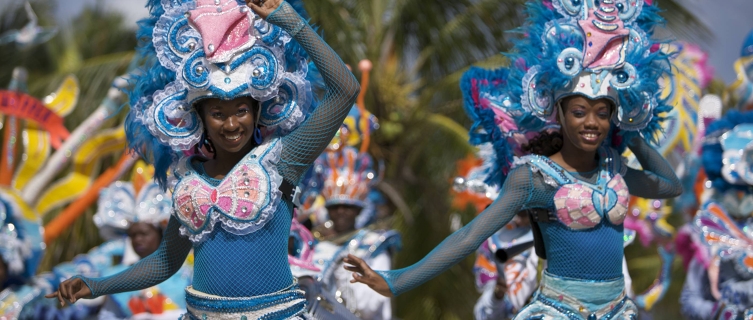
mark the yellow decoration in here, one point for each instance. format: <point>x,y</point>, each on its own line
<point>85,163</point>
<point>27,212</point>
<point>742,88</point>
<point>63,101</point>
<point>36,145</point>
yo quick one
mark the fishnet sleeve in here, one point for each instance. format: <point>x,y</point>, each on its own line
<point>150,271</point>
<point>516,193</point>
<point>657,180</point>
<point>302,146</point>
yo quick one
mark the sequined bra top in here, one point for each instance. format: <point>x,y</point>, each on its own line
<point>243,202</point>
<point>581,205</point>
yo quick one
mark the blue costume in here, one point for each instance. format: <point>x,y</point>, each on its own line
<point>238,226</point>
<point>724,223</point>
<point>595,49</point>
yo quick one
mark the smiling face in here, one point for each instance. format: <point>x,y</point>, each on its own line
<point>229,124</point>
<point>586,122</point>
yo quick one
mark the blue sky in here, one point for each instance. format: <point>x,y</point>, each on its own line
<point>730,22</point>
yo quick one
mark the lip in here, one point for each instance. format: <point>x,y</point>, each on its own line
<point>232,139</point>
<point>590,136</point>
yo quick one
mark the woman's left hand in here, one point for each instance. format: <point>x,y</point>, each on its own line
<point>362,273</point>
<point>263,7</point>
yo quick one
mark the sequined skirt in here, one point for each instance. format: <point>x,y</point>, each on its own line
<point>575,299</point>
<point>289,303</point>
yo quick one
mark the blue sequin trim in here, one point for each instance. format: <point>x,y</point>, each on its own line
<point>575,315</point>
<point>196,70</point>
<point>177,39</point>
<point>285,102</point>
<point>267,65</point>
<point>167,127</point>
<point>236,305</point>
<point>269,32</point>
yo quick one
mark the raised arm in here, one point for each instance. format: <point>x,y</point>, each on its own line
<point>303,146</point>
<point>150,271</point>
<point>657,180</point>
<point>516,192</point>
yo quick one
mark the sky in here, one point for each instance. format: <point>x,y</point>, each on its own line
<point>729,22</point>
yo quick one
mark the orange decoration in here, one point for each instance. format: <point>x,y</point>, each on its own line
<point>55,227</point>
<point>461,200</point>
<point>24,106</point>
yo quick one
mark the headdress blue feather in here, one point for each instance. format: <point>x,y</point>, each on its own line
<point>511,105</point>
<point>153,79</point>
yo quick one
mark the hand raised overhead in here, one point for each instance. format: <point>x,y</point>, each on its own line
<point>263,7</point>
<point>362,273</point>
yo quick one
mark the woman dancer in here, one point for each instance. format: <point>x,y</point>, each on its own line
<point>589,67</point>
<point>216,73</point>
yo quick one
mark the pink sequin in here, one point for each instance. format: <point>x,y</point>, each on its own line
<point>240,195</point>
<point>225,28</point>
<point>576,209</point>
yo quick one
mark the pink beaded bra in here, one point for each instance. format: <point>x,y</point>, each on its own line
<point>243,202</point>
<point>582,205</point>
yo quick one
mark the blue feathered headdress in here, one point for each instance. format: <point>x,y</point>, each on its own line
<point>725,165</point>
<point>598,49</point>
<point>188,56</point>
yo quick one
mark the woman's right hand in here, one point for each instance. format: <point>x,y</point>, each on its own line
<point>71,290</point>
<point>362,273</point>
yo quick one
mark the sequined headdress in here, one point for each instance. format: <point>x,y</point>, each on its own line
<point>198,49</point>
<point>596,49</point>
<point>124,203</point>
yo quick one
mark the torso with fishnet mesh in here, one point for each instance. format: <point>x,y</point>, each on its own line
<point>233,265</point>
<point>592,253</point>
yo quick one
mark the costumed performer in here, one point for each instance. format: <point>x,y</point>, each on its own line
<point>344,177</point>
<point>216,73</point>
<point>347,179</point>
<point>721,287</point>
<point>715,184</point>
<point>509,250</point>
<point>591,67</point>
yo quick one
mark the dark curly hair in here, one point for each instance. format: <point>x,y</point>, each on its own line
<point>546,144</point>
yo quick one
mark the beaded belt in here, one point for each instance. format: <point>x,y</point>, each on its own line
<point>573,307</point>
<point>289,303</point>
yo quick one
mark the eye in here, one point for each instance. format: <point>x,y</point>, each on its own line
<point>578,113</point>
<point>216,115</point>
<point>243,111</point>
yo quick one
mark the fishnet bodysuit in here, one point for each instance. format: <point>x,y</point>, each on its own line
<point>230,265</point>
<point>594,253</point>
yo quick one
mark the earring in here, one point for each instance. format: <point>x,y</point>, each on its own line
<point>206,142</point>
<point>257,135</point>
